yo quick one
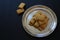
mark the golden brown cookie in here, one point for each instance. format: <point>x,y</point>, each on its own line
<point>36,25</point>
<point>43,26</point>
<point>19,11</point>
<point>21,5</point>
<point>32,21</point>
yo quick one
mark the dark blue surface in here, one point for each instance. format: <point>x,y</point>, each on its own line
<point>11,25</point>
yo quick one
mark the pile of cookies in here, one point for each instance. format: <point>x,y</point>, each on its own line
<point>39,21</point>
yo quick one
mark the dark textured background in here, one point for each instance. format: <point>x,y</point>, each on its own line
<point>10,23</point>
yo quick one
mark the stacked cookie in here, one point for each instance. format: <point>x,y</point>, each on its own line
<point>20,8</point>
